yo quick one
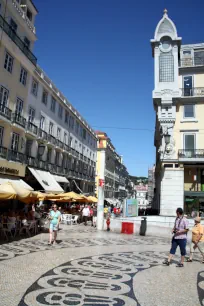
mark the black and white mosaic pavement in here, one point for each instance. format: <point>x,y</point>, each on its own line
<point>26,246</point>
<point>104,280</point>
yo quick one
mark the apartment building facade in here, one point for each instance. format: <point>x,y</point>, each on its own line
<point>43,138</point>
<point>17,38</point>
<point>178,99</point>
<point>58,139</point>
<point>116,174</point>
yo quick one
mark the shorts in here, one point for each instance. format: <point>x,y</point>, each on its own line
<point>178,242</point>
<point>94,219</point>
<point>200,246</point>
<point>54,227</point>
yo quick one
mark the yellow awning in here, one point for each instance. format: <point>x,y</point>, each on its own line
<point>93,199</point>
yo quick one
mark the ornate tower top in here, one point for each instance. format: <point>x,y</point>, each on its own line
<point>165,11</point>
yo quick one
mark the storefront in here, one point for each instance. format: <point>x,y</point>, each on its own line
<point>194,203</point>
<point>13,172</point>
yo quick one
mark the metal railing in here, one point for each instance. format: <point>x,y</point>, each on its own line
<point>191,153</point>
<point>5,111</point>
<point>59,143</point>
<point>16,156</point>
<point>3,152</point>
<point>51,139</point>
<point>16,39</point>
<point>191,62</point>
<point>20,120</point>
<point>66,147</point>
<point>32,161</point>
<point>193,92</point>
<point>32,128</point>
<point>42,134</point>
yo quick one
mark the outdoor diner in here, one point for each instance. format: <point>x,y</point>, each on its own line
<point>25,212</point>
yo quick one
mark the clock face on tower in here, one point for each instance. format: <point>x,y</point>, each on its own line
<point>165,44</point>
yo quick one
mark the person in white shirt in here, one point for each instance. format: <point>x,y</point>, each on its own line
<point>85,214</point>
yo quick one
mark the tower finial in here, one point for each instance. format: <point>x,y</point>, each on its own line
<point>165,11</point>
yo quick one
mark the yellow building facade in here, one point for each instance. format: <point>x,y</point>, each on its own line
<point>17,62</point>
<point>178,99</point>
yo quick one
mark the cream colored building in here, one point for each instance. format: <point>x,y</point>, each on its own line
<point>43,138</point>
<point>178,98</point>
<point>17,62</point>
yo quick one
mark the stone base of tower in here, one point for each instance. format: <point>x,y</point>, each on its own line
<point>172,191</point>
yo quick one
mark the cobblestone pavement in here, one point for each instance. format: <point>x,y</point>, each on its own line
<point>92,268</point>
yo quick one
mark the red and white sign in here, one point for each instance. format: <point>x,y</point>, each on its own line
<point>101,182</point>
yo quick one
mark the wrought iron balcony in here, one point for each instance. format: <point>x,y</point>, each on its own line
<point>191,153</point>
<point>193,92</point>
<point>32,128</point>
<point>51,139</point>
<point>16,156</point>
<point>66,148</point>
<point>191,62</point>
<point>5,111</point>
<point>20,120</point>
<point>3,152</point>
<point>16,39</point>
<point>59,143</point>
<point>32,161</point>
<point>42,134</point>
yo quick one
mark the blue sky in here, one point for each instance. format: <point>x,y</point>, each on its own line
<point>98,54</point>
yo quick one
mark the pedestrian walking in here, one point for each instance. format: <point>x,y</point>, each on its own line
<point>54,217</point>
<point>179,237</point>
<point>197,239</point>
<point>85,214</point>
<point>94,220</point>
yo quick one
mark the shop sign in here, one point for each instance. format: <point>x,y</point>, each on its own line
<point>11,171</point>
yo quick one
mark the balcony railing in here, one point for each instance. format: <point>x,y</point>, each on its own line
<point>66,147</point>
<point>32,128</point>
<point>16,39</point>
<point>5,111</point>
<point>16,156</point>
<point>23,15</point>
<point>193,92</point>
<point>32,161</point>
<point>20,120</point>
<point>191,62</point>
<point>191,153</point>
<point>59,143</point>
<point>42,134</point>
<point>51,139</point>
<point>3,152</point>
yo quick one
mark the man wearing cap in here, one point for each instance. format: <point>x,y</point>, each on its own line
<point>197,239</point>
<point>179,237</point>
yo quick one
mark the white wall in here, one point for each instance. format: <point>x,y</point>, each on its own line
<point>172,191</point>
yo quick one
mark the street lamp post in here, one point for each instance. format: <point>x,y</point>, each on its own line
<point>101,186</point>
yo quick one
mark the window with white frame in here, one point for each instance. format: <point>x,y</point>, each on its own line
<point>58,133</point>
<point>23,76</point>
<point>51,128</point>
<point>189,111</point>
<point>42,122</point>
<point>71,122</point>
<point>15,142</point>
<point>66,118</point>
<point>44,97</point>
<point>19,106</point>
<point>1,135</point>
<point>65,137</point>
<point>57,157</point>
<point>31,114</point>
<point>3,96</point>
<point>8,63</point>
<point>34,88</point>
<point>60,111</point>
<point>189,143</point>
<point>77,127</point>
<point>53,105</point>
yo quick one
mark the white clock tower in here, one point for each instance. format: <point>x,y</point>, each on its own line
<point>165,49</point>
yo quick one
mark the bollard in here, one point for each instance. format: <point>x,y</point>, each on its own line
<point>143,226</point>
